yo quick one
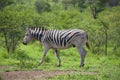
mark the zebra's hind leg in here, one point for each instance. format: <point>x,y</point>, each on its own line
<point>82,53</point>
<point>44,54</point>
<point>58,57</point>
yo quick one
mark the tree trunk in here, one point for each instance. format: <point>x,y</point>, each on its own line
<point>6,42</point>
<point>94,12</point>
<point>106,40</point>
<point>14,43</point>
<point>105,27</point>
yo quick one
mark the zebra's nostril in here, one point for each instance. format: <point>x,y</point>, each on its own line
<point>24,43</point>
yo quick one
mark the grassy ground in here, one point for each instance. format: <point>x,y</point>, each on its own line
<point>100,67</point>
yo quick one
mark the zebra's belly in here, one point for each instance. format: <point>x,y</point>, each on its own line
<point>61,47</point>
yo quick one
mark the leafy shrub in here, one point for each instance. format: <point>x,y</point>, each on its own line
<point>25,60</point>
<point>41,6</point>
<point>1,78</point>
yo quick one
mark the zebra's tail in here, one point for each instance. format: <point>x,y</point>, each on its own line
<point>87,44</point>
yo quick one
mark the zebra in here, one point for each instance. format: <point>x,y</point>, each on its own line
<point>57,40</point>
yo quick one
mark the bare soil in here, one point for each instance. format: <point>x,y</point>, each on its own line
<point>25,75</point>
<point>38,75</point>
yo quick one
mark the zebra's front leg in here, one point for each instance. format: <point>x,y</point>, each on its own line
<point>58,57</point>
<point>44,54</point>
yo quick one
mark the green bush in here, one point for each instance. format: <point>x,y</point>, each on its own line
<point>25,60</point>
<point>42,6</point>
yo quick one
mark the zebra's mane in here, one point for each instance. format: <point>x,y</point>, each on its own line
<point>33,28</point>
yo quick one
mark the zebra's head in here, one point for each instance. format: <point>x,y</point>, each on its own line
<point>28,36</point>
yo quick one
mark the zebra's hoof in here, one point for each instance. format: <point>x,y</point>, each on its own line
<point>82,65</point>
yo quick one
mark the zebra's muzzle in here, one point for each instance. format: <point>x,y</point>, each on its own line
<point>24,43</point>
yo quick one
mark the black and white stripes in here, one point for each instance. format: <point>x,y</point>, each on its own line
<point>37,32</point>
<point>58,39</point>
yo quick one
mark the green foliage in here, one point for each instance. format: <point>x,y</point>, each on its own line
<point>74,76</point>
<point>4,3</point>
<point>1,78</point>
<point>112,19</point>
<point>16,16</point>
<point>42,6</point>
<point>25,60</point>
<point>3,53</point>
<point>14,20</point>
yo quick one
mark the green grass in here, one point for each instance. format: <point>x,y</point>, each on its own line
<point>27,58</point>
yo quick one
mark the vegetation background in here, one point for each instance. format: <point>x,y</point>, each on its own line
<point>99,18</point>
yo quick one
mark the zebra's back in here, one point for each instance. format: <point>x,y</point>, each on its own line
<point>62,38</point>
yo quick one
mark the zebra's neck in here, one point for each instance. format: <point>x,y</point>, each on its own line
<point>38,33</point>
